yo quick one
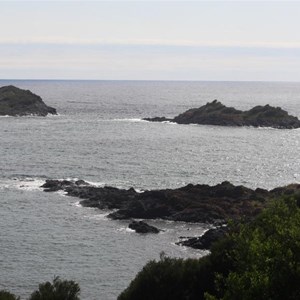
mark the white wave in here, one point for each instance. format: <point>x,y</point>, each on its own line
<point>55,115</point>
<point>134,120</point>
<point>28,183</point>
<point>61,193</point>
<point>125,230</point>
<point>22,183</point>
<point>95,183</point>
<point>98,216</point>
<point>30,116</point>
<point>169,122</point>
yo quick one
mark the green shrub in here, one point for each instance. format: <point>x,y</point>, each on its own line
<point>58,290</point>
<point>6,295</point>
<point>169,278</point>
<point>259,260</point>
<point>178,279</point>
<point>266,256</point>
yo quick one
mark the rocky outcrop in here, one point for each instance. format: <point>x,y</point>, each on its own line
<point>205,241</point>
<point>192,203</point>
<point>57,185</point>
<point>142,227</point>
<point>215,113</point>
<point>158,119</point>
<point>18,102</point>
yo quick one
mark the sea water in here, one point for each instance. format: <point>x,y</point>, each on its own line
<point>99,136</point>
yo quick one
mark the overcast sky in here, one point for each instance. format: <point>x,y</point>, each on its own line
<point>152,40</point>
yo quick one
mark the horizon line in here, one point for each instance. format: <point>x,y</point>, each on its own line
<point>147,80</point>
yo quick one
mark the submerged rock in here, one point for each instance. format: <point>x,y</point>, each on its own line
<point>216,113</point>
<point>142,227</point>
<point>18,102</point>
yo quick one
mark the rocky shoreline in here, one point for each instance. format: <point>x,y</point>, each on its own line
<point>198,203</point>
<point>216,113</point>
<point>192,203</point>
<point>19,102</point>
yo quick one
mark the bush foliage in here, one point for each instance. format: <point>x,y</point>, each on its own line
<point>58,290</point>
<point>6,295</point>
<point>258,260</point>
<point>267,256</point>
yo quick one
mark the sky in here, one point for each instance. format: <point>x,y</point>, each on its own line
<point>150,40</point>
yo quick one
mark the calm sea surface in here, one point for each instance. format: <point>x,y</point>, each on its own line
<point>98,136</point>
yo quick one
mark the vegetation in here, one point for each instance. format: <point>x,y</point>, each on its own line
<point>6,295</point>
<point>57,290</point>
<point>258,260</point>
<point>266,256</point>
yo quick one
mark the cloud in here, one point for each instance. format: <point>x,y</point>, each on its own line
<point>147,59</point>
<point>146,42</point>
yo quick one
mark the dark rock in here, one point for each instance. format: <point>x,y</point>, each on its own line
<point>292,189</point>
<point>81,182</point>
<point>206,240</point>
<point>192,203</point>
<point>157,119</point>
<point>215,113</point>
<point>18,102</point>
<point>142,227</point>
<point>56,185</point>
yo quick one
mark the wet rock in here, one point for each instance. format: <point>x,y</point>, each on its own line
<point>142,227</point>
<point>56,185</point>
<point>205,241</point>
<point>157,119</point>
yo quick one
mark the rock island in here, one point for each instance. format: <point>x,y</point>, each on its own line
<point>216,113</point>
<point>19,102</point>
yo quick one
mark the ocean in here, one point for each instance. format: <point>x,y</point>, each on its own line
<point>99,136</point>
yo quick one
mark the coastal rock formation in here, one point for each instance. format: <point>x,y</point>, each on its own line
<point>142,227</point>
<point>216,113</point>
<point>18,102</point>
<point>57,185</point>
<point>205,241</point>
<point>192,203</point>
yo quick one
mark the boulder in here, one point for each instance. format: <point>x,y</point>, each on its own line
<point>56,185</point>
<point>142,227</point>
<point>205,241</point>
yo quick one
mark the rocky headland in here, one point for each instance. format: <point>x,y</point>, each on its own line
<point>198,203</point>
<point>216,113</point>
<point>192,203</point>
<point>19,102</point>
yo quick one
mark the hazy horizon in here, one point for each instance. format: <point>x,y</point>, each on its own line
<point>150,40</point>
